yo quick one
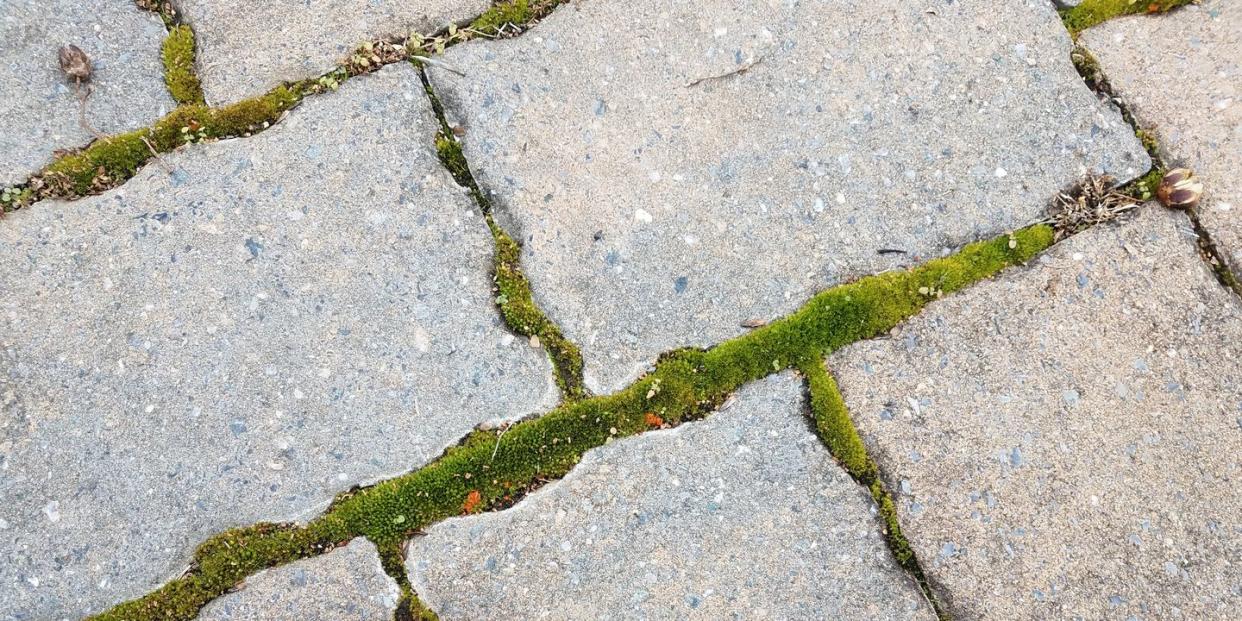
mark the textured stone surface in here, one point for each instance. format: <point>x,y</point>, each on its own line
<point>742,515</point>
<point>38,107</point>
<point>1182,75</point>
<point>283,317</point>
<point>658,212</point>
<point>1065,440</point>
<point>346,584</point>
<point>247,47</point>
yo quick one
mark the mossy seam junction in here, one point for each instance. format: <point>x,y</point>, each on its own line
<point>491,470</point>
<point>105,164</point>
<point>1144,187</point>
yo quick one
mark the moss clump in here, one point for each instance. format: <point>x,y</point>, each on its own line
<point>490,22</point>
<point>109,162</point>
<point>832,421</point>
<point>1093,12</point>
<point>490,470</point>
<point>178,54</point>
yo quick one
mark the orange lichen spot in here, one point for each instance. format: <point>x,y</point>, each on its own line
<point>653,420</point>
<point>473,500</point>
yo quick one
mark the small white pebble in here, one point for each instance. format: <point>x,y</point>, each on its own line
<point>642,216</point>
<point>1000,172</point>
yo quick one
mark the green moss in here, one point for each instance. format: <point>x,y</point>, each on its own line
<point>836,430</point>
<point>491,21</point>
<point>409,607</point>
<point>513,294</point>
<point>832,421</point>
<point>111,161</point>
<point>178,54</point>
<point>490,469</point>
<point>1092,12</point>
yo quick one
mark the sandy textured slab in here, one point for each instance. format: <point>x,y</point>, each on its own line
<point>1182,75</point>
<point>743,514</point>
<point>283,317</point>
<point>38,107</point>
<point>246,48</point>
<point>1065,440</point>
<point>677,168</point>
<point>346,584</point>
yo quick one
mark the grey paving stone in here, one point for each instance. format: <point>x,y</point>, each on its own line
<point>283,317</point>
<point>1182,75</point>
<point>246,48</point>
<point>1066,439</point>
<point>346,584</point>
<point>38,107</point>
<point>744,515</point>
<point>658,212</point>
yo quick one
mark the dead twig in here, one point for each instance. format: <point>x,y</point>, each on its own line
<point>739,71</point>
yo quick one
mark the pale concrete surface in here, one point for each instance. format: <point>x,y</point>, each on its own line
<point>1065,442</point>
<point>1181,73</point>
<point>346,584</point>
<point>283,317</point>
<point>246,48</point>
<point>38,106</point>
<point>660,212</point>
<point>744,515</point>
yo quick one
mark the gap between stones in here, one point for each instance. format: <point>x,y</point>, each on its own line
<point>492,469</point>
<point>106,164</point>
<point>1144,187</point>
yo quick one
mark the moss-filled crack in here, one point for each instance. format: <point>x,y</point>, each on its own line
<point>493,469</point>
<point>836,429</point>
<point>409,607</point>
<point>1090,13</point>
<point>512,290</point>
<point>105,164</point>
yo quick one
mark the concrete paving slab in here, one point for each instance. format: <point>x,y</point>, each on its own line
<point>675,169</point>
<point>1181,73</point>
<point>38,107</point>
<point>281,318</point>
<point>1065,442</point>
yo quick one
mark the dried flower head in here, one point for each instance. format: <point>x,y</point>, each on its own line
<point>1179,189</point>
<point>1089,203</point>
<point>75,63</point>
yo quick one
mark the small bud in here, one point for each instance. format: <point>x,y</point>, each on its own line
<point>1179,189</point>
<point>75,63</point>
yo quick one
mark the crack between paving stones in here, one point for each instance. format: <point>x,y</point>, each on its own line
<point>103,165</point>
<point>834,426</point>
<point>513,296</point>
<point>491,470</point>
<point>1144,187</point>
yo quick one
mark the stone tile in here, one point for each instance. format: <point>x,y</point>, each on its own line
<point>1181,73</point>
<point>346,584</point>
<point>744,515</point>
<point>1066,438</point>
<point>38,107</point>
<point>658,212</point>
<point>246,48</point>
<point>283,317</point>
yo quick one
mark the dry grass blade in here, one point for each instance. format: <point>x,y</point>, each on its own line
<point>1087,204</point>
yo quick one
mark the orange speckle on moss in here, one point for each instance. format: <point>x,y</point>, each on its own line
<point>473,500</point>
<point>653,420</point>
